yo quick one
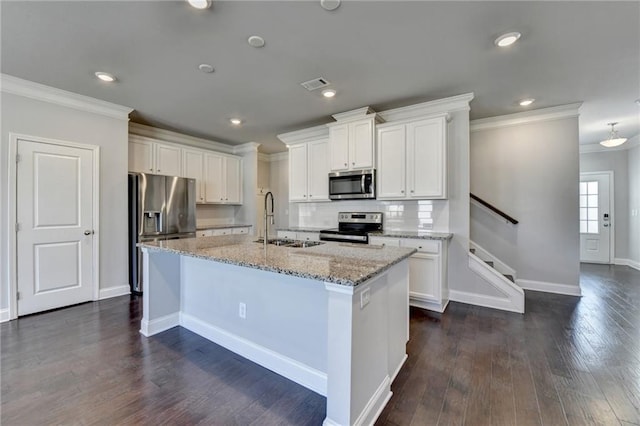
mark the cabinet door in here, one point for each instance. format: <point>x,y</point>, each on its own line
<point>424,277</point>
<point>391,162</point>
<point>193,167</point>
<point>318,170</point>
<point>141,157</point>
<point>168,160</point>
<point>298,173</point>
<point>339,147</point>
<point>361,144</point>
<point>308,236</point>
<point>426,158</point>
<point>233,179</point>
<point>214,178</point>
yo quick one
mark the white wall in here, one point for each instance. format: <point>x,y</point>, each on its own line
<point>617,162</point>
<point>633,156</point>
<point>48,120</point>
<point>279,186</point>
<point>530,171</point>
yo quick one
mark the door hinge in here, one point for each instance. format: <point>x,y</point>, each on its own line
<point>17,226</point>
<point>17,158</point>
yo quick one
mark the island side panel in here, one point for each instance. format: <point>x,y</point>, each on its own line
<point>285,324</point>
<point>160,292</point>
<point>368,331</point>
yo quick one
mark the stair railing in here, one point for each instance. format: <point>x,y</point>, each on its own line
<point>493,209</point>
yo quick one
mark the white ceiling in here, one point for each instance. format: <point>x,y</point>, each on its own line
<point>384,54</point>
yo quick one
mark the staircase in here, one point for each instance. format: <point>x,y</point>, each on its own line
<point>501,277</point>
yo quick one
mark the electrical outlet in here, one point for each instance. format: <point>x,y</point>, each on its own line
<point>242,310</point>
<point>364,297</point>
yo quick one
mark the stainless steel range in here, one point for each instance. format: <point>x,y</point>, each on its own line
<point>353,227</point>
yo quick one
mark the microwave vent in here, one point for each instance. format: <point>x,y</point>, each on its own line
<point>315,84</point>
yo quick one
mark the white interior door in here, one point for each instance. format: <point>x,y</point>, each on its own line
<point>595,218</point>
<point>55,217</point>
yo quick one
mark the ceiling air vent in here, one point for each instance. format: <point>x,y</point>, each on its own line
<point>314,84</point>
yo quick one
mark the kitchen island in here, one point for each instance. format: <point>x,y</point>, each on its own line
<point>333,317</point>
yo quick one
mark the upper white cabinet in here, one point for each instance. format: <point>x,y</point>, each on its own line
<point>147,156</point>
<point>193,167</point>
<point>308,171</point>
<point>222,179</point>
<point>412,158</point>
<point>218,176</point>
<point>351,145</point>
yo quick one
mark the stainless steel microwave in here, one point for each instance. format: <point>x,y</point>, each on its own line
<point>356,184</point>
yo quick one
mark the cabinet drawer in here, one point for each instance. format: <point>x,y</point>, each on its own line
<point>423,246</point>
<point>308,236</point>
<point>287,235</point>
<point>224,231</point>
<point>204,233</point>
<point>241,230</point>
<point>384,241</point>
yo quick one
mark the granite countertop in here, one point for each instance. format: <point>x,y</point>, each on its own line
<point>203,227</point>
<point>423,235</point>
<point>340,263</point>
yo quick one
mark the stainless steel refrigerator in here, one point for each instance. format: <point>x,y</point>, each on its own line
<point>160,208</point>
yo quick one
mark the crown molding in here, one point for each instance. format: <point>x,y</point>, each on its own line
<point>279,156</point>
<point>596,147</point>
<point>246,148</point>
<point>353,114</point>
<point>436,107</point>
<point>537,115</point>
<point>304,135</point>
<point>179,138</point>
<point>40,92</point>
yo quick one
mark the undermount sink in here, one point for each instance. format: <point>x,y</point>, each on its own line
<point>290,243</point>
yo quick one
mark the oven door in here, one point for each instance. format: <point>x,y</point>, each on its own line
<point>352,185</point>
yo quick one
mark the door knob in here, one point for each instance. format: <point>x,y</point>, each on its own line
<point>88,232</point>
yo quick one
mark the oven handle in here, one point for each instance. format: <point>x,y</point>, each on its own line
<point>362,183</point>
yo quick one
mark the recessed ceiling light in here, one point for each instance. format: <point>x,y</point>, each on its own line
<point>200,4</point>
<point>105,76</point>
<point>205,68</point>
<point>526,102</point>
<point>330,4</point>
<point>256,41</point>
<point>507,39</point>
<point>235,121</point>
<point>328,93</point>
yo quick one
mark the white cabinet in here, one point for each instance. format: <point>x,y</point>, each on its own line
<point>351,145</point>
<point>302,236</point>
<point>308,171</point>
<point>193,167</point>
<point>412,160</point>
<point>428,286</point>
<point>223,179</point>
<point>243,230</point>
<point>147,156</point>
<point>204,233</point>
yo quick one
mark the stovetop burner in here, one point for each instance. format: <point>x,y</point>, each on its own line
<point>353,227</point>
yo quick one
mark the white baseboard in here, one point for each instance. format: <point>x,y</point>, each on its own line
<point>158,325</point>
<point>4,315</point>
<point>291,369</point>
<point>483,300</point>
<point>627,262</point>
<point>557,288</point>
<point>399,367</point>
<point>418,302</point>
<point>376,404</point>
<point>106,293</point>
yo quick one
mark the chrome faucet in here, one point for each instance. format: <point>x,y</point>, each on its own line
<point>267,215</point>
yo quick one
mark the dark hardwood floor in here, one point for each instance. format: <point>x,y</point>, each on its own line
<point>568,360</point>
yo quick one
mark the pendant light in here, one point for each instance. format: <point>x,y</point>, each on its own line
<point>614,139</point>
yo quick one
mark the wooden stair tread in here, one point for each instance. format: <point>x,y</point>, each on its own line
<point>489,262</point>
<point>510,278</point>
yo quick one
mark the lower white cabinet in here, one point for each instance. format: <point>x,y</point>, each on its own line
<point>223,231</point>
<point>302,236</point>
<point>428,285</point>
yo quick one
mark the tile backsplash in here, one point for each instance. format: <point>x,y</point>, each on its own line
<point>398,215</point>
